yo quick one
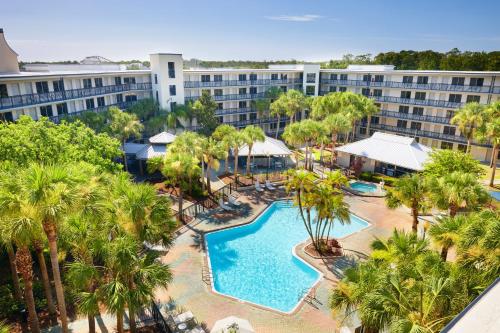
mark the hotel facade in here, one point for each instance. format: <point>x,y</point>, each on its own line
<point>414,103</point>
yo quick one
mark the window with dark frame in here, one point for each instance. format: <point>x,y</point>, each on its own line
<point>419,111</point>
<point>416,125</point>
<point>402,123</point>
<point>119,97</point>
<point>407,79</point>
<point>406,94</point>
<point>449,130</point>
<point>473,98</point>
<point>253,90</point>
<point>205,78</point>
<point>242,91</point>
<point>476,81</point>
<point>58,85</point>
<point>98,82</point>
<point>62,108</point>
<point>171,70</point>
<point>377,92</point>
<point>253,77</point>
<point>89,103</point>
<point>455,98</point>
<point>218,92</point>
<point>420,95</point>
<point>87,83</point>
<point>100,101</point>
<point>118,80</point>
<point>172,89</point>
<point>457,81</point>
<point>446,145</point>
<point>46,111</point>
<point>404,109</point>
<point>42,87</point>
<point>3,91</point>
<point>242,77</point>
<point>422,79</point>
<point>218,78</point>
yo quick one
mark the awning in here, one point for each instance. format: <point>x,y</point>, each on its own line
<point>133,148</point>
<point>270,147</point>
<point>151,151</point>
<point>163,138</point>
<point>242,325</point>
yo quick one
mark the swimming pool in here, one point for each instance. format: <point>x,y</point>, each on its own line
<point>495,195</point>
<point>363,187</point>
<point>255,262</point>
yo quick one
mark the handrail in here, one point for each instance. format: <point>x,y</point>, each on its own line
<point>228,83</point>
<point>123,105</point>
<point>411,116</point>
<point>230,97</point>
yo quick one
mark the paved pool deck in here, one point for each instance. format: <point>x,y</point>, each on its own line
<point>190,291</point>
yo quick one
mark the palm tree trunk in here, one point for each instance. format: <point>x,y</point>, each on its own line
<point>226,163</point>
<point>131,321</point>
<point>453,210</point>
<point>119,321</point>
<point>124,156</point>
<point>235,164</point>
<point>369,120</point>
<point>249,158</point>
<point>278,126</point>
<point>45,278</point>
<point>467,150</point>
<point>25,266</point>
<point>334,142</point>
<point>414,214</point>
<point>202,173</point>
<point>91,320</point>
<point>209,186</point>
<point>494,165</point>
<point>444,253</point>
<point>50,231</point>
<point>179,207</point>
<point>13,270</point>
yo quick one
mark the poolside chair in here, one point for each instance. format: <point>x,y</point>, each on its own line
<point>258,187</point>
<point>224,206</point>
<point>270,186</point>
<point>232,201</point>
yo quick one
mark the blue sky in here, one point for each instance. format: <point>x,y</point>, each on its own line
<point>251,29</point>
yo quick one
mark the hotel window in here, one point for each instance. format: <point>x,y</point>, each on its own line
<point>220,106</point>
<point>62,108</point>
<point>449,130</point>
<point>253,116</point>
<point>419,111</point>
<point>343,77</point>
<point>333,76</point>
<point>3,91</point>
<point>46,111</point>
<point>407,79</point>
<point>218,78</point>
<point>367,77</point>
<point>458,81</point>
<point>58,85</point>
<point>218,92</point>
<point>422,79</point>
<point>274,76</point>
<point>311,77</point>
<point>220,119</point>
<point>129,80</point>
<point>420,95</point>
<point>379,78</point>
<point>205,91</point>
<point>406,94</point>
<point>6,116</point>
<point>377,92</point>
<point>173,105</point>
<point>205,78</point>
<point>157,96</point>
<point>242,91</point>
<point>119,97</point>
<point>402,123</point>
<point>100,101</point>
<point>333,89</point>
<point>242,104</point>
<point>415,126</point>
<point>89,103</point>
<point>171,70</point>
<point>172,90</point>
<point>130,98</point>
<point>253,77</point>
<point>374,120</point>
<point>473,98</point>
<point>455,98</point>
<point>362,130</point>
<point>87,83</point>
<point>365,92</point>
<point>446,145</point>
<point>243,117</point>
<point>342,89</point>
<point>476,81</point>
<point>284,76</point>
<point>404,109</point>
<point>253,90</point>
<point>462,148</point>
<point>450,113</point>
<point>156,78</point>
<point>98,82</point>
<point>242,77</point>
<point>118,80</point>
<point>310,90</point>
<point>42,87</point>
<point>283,88</point>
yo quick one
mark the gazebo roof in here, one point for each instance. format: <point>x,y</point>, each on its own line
<point>151,151</point>
<point>269,147</point>
<point>392,149</point>
<point>163,138</point>
<point>131,148</point>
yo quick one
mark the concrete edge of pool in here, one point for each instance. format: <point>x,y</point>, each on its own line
<point>300,302</point>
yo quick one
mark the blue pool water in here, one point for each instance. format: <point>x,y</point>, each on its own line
<point>363,187</point>
<point>495,195</point>
<point>255,262</point>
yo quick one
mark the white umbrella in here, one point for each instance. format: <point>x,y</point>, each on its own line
<point>243,325</point>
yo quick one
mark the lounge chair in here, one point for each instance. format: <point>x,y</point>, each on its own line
<point>232,201</point>
<point>258,187</point>
<point>270,186</point>
<point>224,206</point>
<point>184,317</point>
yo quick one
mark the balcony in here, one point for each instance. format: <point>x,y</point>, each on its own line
<point>60,96</point>
<point>411,116</point>
<point>222,112</point>
<point>236,83</point>
<point>420,102</point>
<point>230,97</point>
<point>123,105</point>
<point>401,85</point>
<point>242,123</point>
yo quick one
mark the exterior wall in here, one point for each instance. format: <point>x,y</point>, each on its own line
<point>8,56</point>
<point>163,79</point>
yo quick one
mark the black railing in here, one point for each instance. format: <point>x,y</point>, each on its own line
<point>159,320</point>
<point>241,123</point>
<point>421,102</point>
<point>233,111</point>
<point>59,96</point>
<point>231,97</point>
<point>124,105</point>
<point>412,116</point>
<point>420,86</point>
<point>229,83</point>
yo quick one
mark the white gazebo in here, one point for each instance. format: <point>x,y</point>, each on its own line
<point>268,148</point>
<point>163,138</point>
<point>386,153</point>
<point>224,325</point>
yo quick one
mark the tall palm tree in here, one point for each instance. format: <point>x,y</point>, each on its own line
<point>174,116</point>
<point>39,249</point>
<point>446,232</point>
<point>468,119</point>
<point>491,131</point>
<point>252,134</point>
<point>124,125</point>
<point>189,143</point>
<point>369,109</point>
<point>6,243</point>
<point>336,124</point>
<point>295,101</point>
<point>225,135</point>
<point>261,105</point>
<point>411,191</point>
<point>213,151</point>
<point>277,109</point>
<point>293,136</point>
<point>238,139</point>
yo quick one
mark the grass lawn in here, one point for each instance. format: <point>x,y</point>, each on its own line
<point>487,170</point>
<point>317,153</point>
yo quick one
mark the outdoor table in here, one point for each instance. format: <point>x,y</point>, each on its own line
<point>183,317</point>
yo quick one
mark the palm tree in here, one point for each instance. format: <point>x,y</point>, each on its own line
<point>238,139</point>
<point>468,119</point>
<point>261,105</point>
<point>174,116</point>
<point>6,243</point>
<point>293,136</point>
<point>369,109</point>
<point>252,134</point>
<point>124,125</point>
<point>278,109</point>
<point>446,232</point>
<point>39,249</point>
<point>189,143</point>
<point>225,135</point>
<point>491,131</point>
<point>295,101</point>
<point>336,124</point>
<point>213,151</point>
<point>411,191</point>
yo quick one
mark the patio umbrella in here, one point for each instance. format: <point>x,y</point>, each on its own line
<point>221,326</point>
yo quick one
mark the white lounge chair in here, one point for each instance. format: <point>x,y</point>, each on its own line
<point>270,186</point>
<point>232,201</point>
<point>224,206</point>
<point>258,187</point>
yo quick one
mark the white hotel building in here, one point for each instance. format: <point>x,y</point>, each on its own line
<point>413,103</point>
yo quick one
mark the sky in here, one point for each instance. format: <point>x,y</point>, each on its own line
<point>310,30</point>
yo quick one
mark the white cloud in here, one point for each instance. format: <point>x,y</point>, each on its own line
<point>295,18</point>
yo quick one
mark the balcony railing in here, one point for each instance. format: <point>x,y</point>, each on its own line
<point>401,85</point>
<point>123,105</point>
<point>60,96</point>
<point>222,112</point>
<point>421,133</point>
<point>411,116</point>
<point>230,97</point>
<point>228,83</point>
<point>241,123</point>
<point>421,102</point>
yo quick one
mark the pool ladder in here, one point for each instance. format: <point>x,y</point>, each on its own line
<point>206,276</point>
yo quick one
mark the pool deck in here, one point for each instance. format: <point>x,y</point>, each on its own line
<point>187,259</point>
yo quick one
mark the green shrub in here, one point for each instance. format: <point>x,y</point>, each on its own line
<point>8,305</point>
